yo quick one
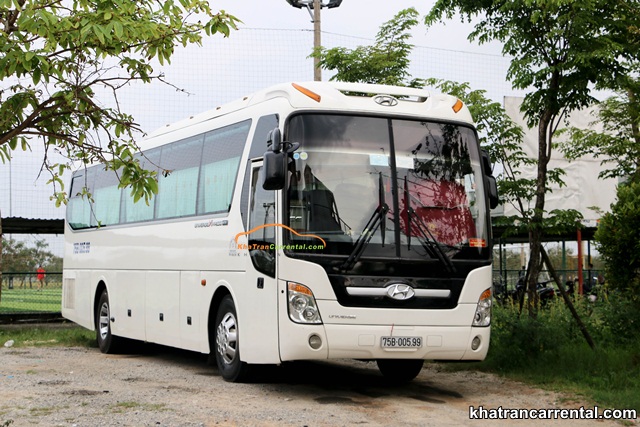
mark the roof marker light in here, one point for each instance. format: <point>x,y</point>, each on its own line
<point>457,106</point>
<point>307,92</point>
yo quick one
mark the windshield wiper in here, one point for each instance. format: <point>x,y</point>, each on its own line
<point>378,218</point>
<point>430,243</point>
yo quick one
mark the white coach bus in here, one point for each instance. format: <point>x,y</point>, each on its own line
<point>306,221</point>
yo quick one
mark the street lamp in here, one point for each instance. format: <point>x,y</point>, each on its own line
<point>316,5</point>
<point>309,4</point>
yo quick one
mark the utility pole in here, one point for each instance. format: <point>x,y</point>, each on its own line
<point>317,71</point>
<point>316,5</point>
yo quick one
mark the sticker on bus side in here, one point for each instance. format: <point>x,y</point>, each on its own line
<point>82,247</point>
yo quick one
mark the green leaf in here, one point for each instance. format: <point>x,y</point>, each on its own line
<point>118,29</point>
<point>36,76</point>
<point>55,42</point>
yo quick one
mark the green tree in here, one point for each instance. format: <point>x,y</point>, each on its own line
<point>54,55</point>
<point>617,239</point>
<point>17,257</point>
<point>384,62</point>
<point>503,139</point>
<point>560,48</point>
<point>20,257</point>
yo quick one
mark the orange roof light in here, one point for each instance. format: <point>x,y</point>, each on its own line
<point>457,106</point>
<point>307,92</point>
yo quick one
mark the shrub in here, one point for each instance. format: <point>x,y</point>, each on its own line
<point>618,241</point>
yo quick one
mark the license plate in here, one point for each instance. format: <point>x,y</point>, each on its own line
<point>401,342</point>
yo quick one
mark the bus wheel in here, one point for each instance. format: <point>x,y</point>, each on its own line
<point>400,370</point>
<point>106,341</point>
<point>226,344</point>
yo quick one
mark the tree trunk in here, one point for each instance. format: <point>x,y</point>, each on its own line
<point>536,233</point>
<point>567,300</point>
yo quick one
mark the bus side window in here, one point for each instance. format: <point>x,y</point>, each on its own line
<point>262,216</point>
<point>79,207</point>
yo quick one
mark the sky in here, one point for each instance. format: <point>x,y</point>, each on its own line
<point>273,43</point>
<point>361,18</point>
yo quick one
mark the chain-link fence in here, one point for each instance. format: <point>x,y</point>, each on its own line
<point>31,292</point>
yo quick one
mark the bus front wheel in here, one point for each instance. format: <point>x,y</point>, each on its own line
<point>107,342</point>
<point>400,370</point>
<point>227,349</point>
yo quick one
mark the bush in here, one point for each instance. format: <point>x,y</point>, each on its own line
<point>551,350</point>
<point>518,341</point>
<point>618,241</point>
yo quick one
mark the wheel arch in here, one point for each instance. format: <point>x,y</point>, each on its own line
<point>218,295</point>
<point>100,288</point>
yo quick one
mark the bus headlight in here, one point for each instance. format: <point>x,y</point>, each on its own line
<point>302,304</point>
<point>482,317</point>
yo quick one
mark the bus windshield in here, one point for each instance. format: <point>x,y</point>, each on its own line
<point>384,188</point>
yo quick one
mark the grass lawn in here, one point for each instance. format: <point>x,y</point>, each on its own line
<point>47,300</point>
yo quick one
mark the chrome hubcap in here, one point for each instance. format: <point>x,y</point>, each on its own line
<point>103,322</point>
<point>227,338</point>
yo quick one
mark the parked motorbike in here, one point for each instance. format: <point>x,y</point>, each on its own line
<point>545,292</point>
<point>592,292</point>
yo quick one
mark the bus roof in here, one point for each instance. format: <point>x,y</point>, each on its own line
<point>341,96</point>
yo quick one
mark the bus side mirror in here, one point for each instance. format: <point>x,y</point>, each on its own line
<point>492,188</point>
<point>276,160</point>
<point>275,170</point>
<point>274,140</point>
<point>490,181</point>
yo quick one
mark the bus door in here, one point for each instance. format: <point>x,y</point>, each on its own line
<point>258,308</point>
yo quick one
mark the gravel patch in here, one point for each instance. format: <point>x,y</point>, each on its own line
<point>167,387</point>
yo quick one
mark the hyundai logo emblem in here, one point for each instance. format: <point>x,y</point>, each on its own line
<point>385,100</point>
<point>400,291</point>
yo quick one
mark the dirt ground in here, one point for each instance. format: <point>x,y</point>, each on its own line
<point>166,387</point>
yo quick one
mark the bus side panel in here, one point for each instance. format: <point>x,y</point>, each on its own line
<point>478,281</point>
<point>257,310</point>
<point>193,320</point>
<point>126,295</point>
<point>77,297</point>
<point>162,307</point>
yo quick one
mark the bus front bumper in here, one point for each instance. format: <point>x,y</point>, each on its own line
<point>338,341</point>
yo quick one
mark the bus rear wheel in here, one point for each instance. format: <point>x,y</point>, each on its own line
<point>226,347</point>
<point>400,370</point>
<point>107,342</point>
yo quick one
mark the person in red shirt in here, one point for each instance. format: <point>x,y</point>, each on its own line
<point>40,276</point>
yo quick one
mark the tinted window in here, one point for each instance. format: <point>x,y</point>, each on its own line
<point>178,188</point>
<point>196,176</point>
<point>219,170</point>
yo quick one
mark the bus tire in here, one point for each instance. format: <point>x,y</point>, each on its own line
<point>400,370</point>
<point>107,342</point>
<point>227,341</point>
